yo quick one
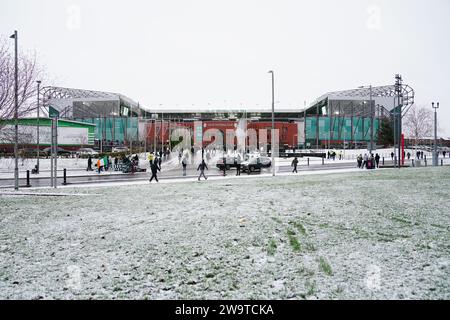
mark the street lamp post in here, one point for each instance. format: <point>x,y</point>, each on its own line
<point>154,134</point>
<point>16,115</point>
<point>371,121</point>
<point>435,153</point>
<point>38,116</point>
<point>371,117</point>
<point>273,124</point>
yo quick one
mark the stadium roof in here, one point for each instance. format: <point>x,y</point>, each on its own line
<point>406,94</point>
<point>49,93</point>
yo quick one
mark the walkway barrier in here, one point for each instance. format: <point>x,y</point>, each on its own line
<point>28,179</point>
<point>65,177</point>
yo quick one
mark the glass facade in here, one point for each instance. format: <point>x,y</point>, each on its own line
<point>117,130</point>
<point>335,122</point>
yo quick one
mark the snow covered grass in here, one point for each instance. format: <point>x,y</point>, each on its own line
<point>368,235</point>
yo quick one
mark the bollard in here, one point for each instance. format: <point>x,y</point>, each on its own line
<point>413,163</point>
<point>425,161</point>
<point>395,160</point>
<point>323,161</point>
<point>28,179</point>
<point>65,177</point>
<point>442,162</point>
<point>308,162</point>
<point>383,161</point>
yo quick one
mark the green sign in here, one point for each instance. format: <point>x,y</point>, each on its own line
<point>52,112</point>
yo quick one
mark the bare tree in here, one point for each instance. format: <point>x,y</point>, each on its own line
<point>419,123</point>
<point>29,73</point>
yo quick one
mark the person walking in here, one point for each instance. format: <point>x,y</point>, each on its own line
<point>89,167</point>
<point>160,161</point>
<point>377,160</point>
<point>180,155</point>
<point>224,166</point>
<point>202,168</point>
<point>392,156</point>
<point>184,164</point>
<point>116,164</point>
<point>155,168</point>
<point>359,160</point>
<point>151,157</point>
<point>408,155</point>
<point>294,164</point>
<point>238,164</point>
<point>99,165</point>
<point>366,158</point>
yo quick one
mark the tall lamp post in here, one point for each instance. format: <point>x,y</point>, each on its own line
<point>16,115</point>
<point>435,153</point>
<point>38,116</point>
<point>371,116</point>
<point>273,124</point>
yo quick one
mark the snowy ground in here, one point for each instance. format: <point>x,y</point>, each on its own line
<point>378,235</point>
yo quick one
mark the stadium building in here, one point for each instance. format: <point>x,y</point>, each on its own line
<point>348,118</point>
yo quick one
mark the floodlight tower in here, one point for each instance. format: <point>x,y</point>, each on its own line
<point>435,152</point>
<point>398,114</point>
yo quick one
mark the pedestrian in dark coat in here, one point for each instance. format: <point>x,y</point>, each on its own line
<point>224,166</point>
<point>377,160</point>
<point>184,163</point>
<point>155,168</point>
<point>202,168</point>
<point>294,164</point>
<point>89,167</point>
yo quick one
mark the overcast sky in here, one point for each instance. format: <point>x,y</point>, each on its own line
<point>183,53</point>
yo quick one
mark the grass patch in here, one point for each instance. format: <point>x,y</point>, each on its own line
<point>439,226</point>
<point>310,247</point>
<point>325,266</point>
<point>293,241</point>
<point>272,247</point>
<point>277,220</point>
<point>401,220</point>
<point>392,237</point>
<point>298,226</point>
<point>310,287</point>
<point>305,272</point>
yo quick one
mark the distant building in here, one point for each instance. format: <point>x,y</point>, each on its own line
<point>72,135</point>
<point>114,115</point>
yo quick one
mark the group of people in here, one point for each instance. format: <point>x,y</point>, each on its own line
<point>106,163</point>
<point>102,164</point>
<point>368,161</point>
<point>332,155</point>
